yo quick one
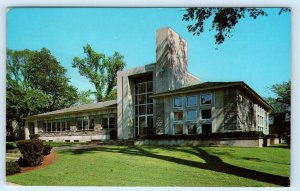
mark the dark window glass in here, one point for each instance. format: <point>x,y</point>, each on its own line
<point>150,121</point>
<point>206,113</point>
<point>191,101</point>
<point>92,123</point>
<point>178,115</point>
<point>178,102</point>
<point>54,126</point>
<point>58,126</point>
<point>79,124</point>
<point>63,125</point>
<point>178,129</point>
<point>112,121</point>
<point>68,125</point>
<point>206,128</point>
<point>149,87</point>
<point>150,109</point>
<point>45,126</point>
<point>149,100</point>
<point>105,122</point>
<point>141,88</point>
<point>141,99</point>
<point>191,115</point>
<point>192,129</point>
<point>142,109</point>
<point>142,122</point>
<point>49,126</point>
<point>206,99</point>
<point>85,123</point>
<point>136,110</point>
<point>136,121</point>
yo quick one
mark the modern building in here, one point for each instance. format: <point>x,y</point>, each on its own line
<point>158,98</point>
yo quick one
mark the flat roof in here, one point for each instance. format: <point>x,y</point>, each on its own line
<point>74,109</point>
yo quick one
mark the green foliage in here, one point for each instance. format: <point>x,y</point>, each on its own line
<point>47,149</point>
<point>85,97</point>
<point>223,19</point>
<point>282,92</point>
<point>34,136</point>
<point>100,70</point>
<point>161,166</point>
<point>10,146</point>
<point>12,167</point>
<point>36,83</point>
<point>32,151</point>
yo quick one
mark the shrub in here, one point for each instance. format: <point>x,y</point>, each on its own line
<point>34,136</point>
<point>9,146</point>
<point>47,149</point>
<point>12,167</point>
<point>32,151</point>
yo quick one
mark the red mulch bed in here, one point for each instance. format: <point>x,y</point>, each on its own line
<point>48,160</point>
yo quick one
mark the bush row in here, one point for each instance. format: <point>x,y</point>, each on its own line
<point>12,167</point>
<point>250,134</point>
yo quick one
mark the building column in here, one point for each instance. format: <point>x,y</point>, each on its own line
<point>26,130</point>
<point>36,130</point>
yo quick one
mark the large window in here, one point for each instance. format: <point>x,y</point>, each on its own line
<point>206,114</point>
<point>143,106</point>
<point>192,129</point>
<point>178,129</point>
<point>206,128</point>
<point>191,101</point>
<point>178,102</point>
<point>108,121</point>
<point>206,99</point>
<point>178,115</point>
<point>191,115</point>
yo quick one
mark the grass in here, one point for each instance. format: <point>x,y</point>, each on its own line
<point>164,166</point>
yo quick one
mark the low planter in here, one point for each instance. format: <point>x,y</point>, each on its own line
<point>235,142</point>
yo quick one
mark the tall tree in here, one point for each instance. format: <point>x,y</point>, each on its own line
<point>35,83</point>
<point>223,19</point>
<point>100,70</point>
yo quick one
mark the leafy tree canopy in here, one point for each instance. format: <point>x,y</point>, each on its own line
<point>100,70</point>
<point>36,83</point>
<point>223,19</point>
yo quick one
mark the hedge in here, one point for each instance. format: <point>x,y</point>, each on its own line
<point>12,167</point>
<point>32,151</point>
<point>47,149</point>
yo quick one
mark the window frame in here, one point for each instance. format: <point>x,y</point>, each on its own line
<point>186,101</point>
<point>181,102</point>
<point>211,99</point>
<point>187,114</point>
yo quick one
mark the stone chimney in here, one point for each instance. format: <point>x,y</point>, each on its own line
<point>171,61</point>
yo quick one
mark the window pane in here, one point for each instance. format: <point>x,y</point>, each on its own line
<point>178,129</point>
<point>192,129</point>
<point>53,126</point>
<point>86,123</point>
<point>150,121</point>
<point>142,88</point>
<point>149,109</point>
<point>178,115</point>
<point>58,126</point>
<point>92,122</point>
<point>112,121</point>
<point>136,121</point>
<point>149,100</point>
<point>206,114</point>
<point>105,121</point>
<point>141,99</point>
<point>191,101</point>
<point>63,125</point>
<point>68,125</point>
<point>45,126</point>
<point>206,99</point>
<point>206,128</point>
<point>191,115</point>
<point>142,109</point>
<point>178,102</point>
<point>149,87</point>
<point>142,122</point>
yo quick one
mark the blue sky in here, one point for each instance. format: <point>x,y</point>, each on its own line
<point>259,52</point>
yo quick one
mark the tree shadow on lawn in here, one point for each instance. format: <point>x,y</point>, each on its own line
<point>212,162</point>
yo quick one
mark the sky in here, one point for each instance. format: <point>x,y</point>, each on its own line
<point>258,53</point>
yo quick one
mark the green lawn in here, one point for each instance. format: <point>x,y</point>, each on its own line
<point>164,166</point>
